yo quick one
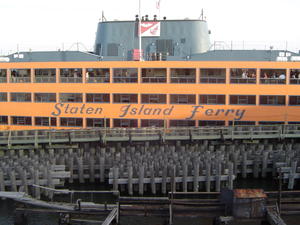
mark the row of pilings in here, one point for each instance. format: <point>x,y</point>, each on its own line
<point>149,166</point>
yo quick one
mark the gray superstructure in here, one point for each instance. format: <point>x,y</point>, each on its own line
<point>178,38</point>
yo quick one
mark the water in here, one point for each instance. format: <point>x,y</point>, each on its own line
<point>7,208</point>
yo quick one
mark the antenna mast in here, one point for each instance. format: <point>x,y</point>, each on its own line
<point>140,32</point>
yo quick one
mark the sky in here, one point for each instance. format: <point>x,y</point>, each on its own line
<point>39,25</point>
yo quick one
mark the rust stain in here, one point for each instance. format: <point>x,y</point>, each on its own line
<point>249,193</point>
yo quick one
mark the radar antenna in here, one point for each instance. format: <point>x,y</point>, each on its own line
<point>103,17</point>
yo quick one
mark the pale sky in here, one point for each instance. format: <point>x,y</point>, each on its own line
<point>58,24</point>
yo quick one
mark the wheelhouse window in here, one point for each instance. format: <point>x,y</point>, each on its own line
<point>45,97</point>
<point>154,75</point>
<point>125,122</point>
<point>242,76</point>
<point>97,75</point>
<point>182,123</point>
<point>125,98</point>
<point>212,99</point>
<point>71,75</point>
<point>3,75</point>
<point>241,123</point>
<point>272,100</point>
<point>20,97</point>
<point>71,122</point>
<point>21,120</point>
<point>273,76</point>
<point>20,76</point>
<point>125,75</point>
<point>97,98</point>
<point>45,121</point>
<point>97,122</point>
<point>45,75</point>
<point>294,100</point>
<point>204,123</point>
<point>213,76</point>
<point>154,99</point>
<point>3,120</point>
<point>3,97</point>
<point>183,75</point>
<point>183,99</point>
<point>295,76</point>
<point>70,97</point>
<point>152,123</point>
<point>242,100</point>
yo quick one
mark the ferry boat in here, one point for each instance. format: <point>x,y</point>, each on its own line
<point>181,81</point>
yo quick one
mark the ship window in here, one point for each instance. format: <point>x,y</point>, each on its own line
<point>242,99</point>
<point>101,98</point>
<point>243,76</point>
<point>71,75</point>
<point>154,75</point>
<point>20,97</point>
<point>204,123</point>
<point>112,49</point>
<point>182,123</point>
<point>70,97</point>
<point>3,97</point>
<point>212,75</point>
<point>154,99</point>
<point>241,123</point>
<point>71,122</point>
<point>212,99</point>
<point>20,76</point>
<point>183,75</point>
<point>273,76</point>
<point>3,120</point>
<point>152,123</point>
<point>125,98</point>
<point>165,46</point>
<point>96,75</point>
<point>44,121</point>
<point>125,122</point>
<point>45,75</point>
<point>270,122</point>
<point>183,99</point>
<point>272,100</point>
<point>295,76</point>
<point>97,122</point>
<point>21,120</point>
<point>3,73</point>
<point>45,97</point>
<point>294,100</point>
<point>125,75</point>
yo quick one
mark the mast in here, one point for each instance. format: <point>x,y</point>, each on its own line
<point>140,32</point>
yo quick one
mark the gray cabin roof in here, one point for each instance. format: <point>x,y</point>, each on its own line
<point>215,55</point>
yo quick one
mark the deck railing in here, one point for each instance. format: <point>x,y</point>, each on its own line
<point>144,134</point>
<point>243,80</point>
<point>45,79</point>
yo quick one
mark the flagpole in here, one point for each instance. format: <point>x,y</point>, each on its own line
<point>140,32</point>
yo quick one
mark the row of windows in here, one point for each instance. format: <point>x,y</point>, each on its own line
<point>151,98</point>
<point>101,122</point>
<point>151,75</point>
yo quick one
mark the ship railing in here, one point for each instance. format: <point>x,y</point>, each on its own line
<point>295,81</point>
<point>125,79</point>
<point>214,80</point>
<point>183,79</point>
<point>272,81</point>
<point>97,79</point>
<point>3,79</point>
<point>154,79</point>
<point>20,79</point>
<point>243,80</point>
<point>45,79</point>
<point>71,79</point>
